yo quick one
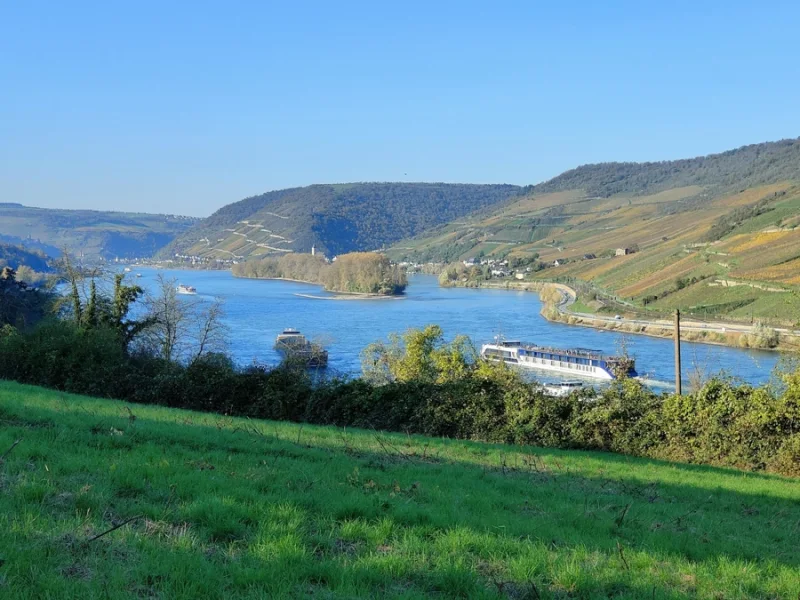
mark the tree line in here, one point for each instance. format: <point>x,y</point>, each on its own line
<point>416,382</point>
<point>356,272</point>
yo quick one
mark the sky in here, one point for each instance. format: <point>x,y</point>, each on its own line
<point>181,108</point>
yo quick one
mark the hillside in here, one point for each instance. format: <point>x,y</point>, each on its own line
<point>89,233</point>
<point>336,219</point>
<point>17,256</point>
<point>113,500</point>
<point>715,235</point>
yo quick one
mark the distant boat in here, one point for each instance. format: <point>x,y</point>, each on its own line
<point>186,289</point>
<point>138,274</point>
<point>127,269</point>
<point>295,347</point>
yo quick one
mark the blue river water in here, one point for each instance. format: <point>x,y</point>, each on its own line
<point>257,310</point>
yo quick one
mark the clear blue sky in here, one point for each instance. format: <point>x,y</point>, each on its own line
<point>184,107</point>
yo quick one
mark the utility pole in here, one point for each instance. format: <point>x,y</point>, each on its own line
<point>678,352</point>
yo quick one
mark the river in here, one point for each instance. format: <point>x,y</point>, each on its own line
<point>257,310</point>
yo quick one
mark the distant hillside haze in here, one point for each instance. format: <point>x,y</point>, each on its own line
<point>88,233</point>
<point>335,219</point>
<point>17,256</point>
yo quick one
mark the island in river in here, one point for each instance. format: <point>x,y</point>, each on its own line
<point>364,273</point>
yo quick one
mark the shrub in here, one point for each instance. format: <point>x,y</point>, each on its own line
<point>625,418</point>
<point>760,336</point>
<point>787,459</point>
<point>433,388</point>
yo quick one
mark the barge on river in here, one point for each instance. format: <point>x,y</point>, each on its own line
<point>577,361</point>
<point>296,348</point>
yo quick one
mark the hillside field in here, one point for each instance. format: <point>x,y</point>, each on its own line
<point>220,507</point>
<point>693,227</point>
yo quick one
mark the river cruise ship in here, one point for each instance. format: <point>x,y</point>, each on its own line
<point>577,361</point>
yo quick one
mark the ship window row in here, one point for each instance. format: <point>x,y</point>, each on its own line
<point>556,363</point>
<point>565,359</point>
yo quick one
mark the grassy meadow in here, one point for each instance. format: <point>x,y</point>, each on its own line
<point>213,507</point>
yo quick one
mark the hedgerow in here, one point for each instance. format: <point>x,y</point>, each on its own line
<point>722,423</point>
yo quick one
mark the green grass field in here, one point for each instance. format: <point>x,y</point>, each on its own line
<point>232,508</point>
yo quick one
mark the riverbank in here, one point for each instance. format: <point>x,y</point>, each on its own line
<point>556,308</point>
<point>718,333</point>
<point>350,296</point>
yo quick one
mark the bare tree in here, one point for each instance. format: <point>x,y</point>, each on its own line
<point>184,328</point>
<point>211,335</point>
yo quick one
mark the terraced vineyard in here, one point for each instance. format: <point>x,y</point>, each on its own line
<point>726,245</point>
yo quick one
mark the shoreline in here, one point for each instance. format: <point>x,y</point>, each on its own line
<point>726,334</point>
<point>350,296</point>
<point>338,295</point>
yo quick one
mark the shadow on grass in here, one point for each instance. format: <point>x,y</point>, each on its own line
<point>580,478</point>
<point>559,501</point>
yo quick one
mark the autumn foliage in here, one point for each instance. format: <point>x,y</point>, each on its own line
<point>356,272</point>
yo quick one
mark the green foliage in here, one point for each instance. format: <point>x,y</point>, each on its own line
<point>728,424</point>
<point>245,509</point>
<point>111,313</point>
<point>20,305</point>
<point>418,382</point>
<point>421,355</point>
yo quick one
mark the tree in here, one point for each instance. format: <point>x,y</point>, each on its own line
<point>183,329</point>
<point>20,305</point>
<point>356,272</point>
<point>420,355</point>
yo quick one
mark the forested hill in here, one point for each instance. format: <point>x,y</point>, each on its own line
<point>91,234</point>
<point>337,218</point>
<point>744,167</point>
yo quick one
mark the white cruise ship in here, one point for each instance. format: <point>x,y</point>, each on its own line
<point>578,361</point>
